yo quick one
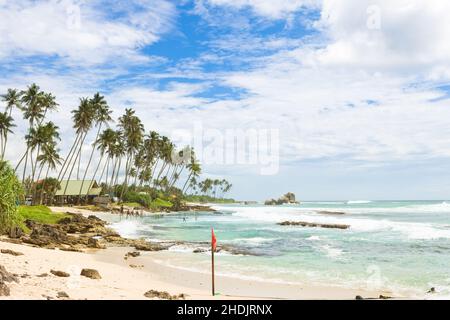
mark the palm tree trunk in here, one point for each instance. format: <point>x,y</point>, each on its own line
<point>43,185</point>
<point>185,184</point>
<point>89,163</point>
<point>68,156</point>
<point>73,166</point>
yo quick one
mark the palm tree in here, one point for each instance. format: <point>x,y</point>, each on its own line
<point>13,100</point>
<point>133,132</point>
<point>102,117</point>
<point>194,170</point>
<point>50,158</point>
<point>83,118</point>
<point>6,123</point>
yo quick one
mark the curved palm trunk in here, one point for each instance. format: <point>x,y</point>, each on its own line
<point>89,163</point>
<point>75,143</point>
<point>73,166</point>
<point>96,170</point>
<point>185,184</point>
<point>41,200</point>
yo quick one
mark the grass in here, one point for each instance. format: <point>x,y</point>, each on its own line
<point>41,214</point>
<point>205,199</point>
<point>160,203</point>
<point>131,204</point>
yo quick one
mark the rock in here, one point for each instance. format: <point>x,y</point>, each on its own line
<point>13,253</point>
<point>147,246</point>
<point>4,289</point>
<point>6,276</point>
<point>42,275</point>
<point>359,298</point>
<point>133,254</point>
<point>331,212</point>
<point>91,273</point>
<point>432,290</point>
<point>134,266</point>
<point>62,294</point>
<point>200,250</point>
<point>15,233</point>
<point>314,225</point>
<point>163,295</point>
<point>288,198</point>
<point>60,273</point>
<point>95,243</point>
<point>382,297</point>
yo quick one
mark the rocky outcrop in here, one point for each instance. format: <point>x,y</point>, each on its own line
<point>314,225</point>
<point>62,294</point>
<point>90,273</point>
<point>163,295</point>
<point>5,277</point>
<point>288,198</point>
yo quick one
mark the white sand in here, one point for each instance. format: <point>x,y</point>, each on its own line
<point>121,281</point>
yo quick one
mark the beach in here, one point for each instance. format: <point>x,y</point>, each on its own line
<point>257,258</point>
<point>127,279</point>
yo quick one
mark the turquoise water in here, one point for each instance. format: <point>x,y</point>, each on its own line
<point>400,246</point>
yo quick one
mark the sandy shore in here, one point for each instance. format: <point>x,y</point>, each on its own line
<point>131,278</point>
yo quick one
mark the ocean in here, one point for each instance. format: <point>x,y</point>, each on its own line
<point>398,246</point>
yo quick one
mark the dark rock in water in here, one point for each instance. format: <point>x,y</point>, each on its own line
<point>432,290</point>
<point>359,298</point>
<point>200,250</point>
<point>59,273</point>
<point>288,198</point>
<point>91,273</point>
<point>13,253</point>
<point>331,212</point>
<point>6,276</point>
<point>163,295</point>
<point>314,225</point>
<point>62,294</point>
<point>4,289</point>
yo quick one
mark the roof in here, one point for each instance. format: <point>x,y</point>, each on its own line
<point>73,188</point>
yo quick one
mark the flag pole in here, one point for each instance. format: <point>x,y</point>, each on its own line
<point>212,266</point>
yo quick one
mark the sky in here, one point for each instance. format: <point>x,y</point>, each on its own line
<point>353,96</point>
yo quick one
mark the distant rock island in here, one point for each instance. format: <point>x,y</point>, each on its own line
<point>288,198</point>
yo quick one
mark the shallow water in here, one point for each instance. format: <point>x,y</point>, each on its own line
<point>399,246</point>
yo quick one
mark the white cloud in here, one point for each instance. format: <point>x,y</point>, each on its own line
<point>279,9</point>
<point>80,31</point>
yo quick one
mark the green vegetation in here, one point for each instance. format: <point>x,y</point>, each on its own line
<point>41,214</point>
<point>129,163</point>
<point>10,191</point>
<point>207,199</point>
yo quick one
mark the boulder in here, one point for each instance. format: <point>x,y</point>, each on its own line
<point>163,295</point>
<point>6,276</point>
<point>61,274</point>
<point>90,273</point>
<point>62,294</point>
<point>11,252</point>
<point>15,233</point>
<point>147,246</point>
<point>4,289</point>
<point>95,243</point>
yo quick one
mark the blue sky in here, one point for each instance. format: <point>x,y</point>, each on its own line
<point>358,90</point>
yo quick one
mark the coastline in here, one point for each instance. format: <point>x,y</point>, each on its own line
<point>127,279</point>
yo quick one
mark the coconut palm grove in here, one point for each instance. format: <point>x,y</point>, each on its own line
<point>125,164</point>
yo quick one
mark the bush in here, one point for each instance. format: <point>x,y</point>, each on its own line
<point>143,199</point>
<point>10,193</point>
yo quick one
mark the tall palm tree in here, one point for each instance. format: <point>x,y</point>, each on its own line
<point>194,171</point>
<point>50,158</point>
<point>6,123</point>
<point>133,132</point>
<point>102,116</point>
<point>13,100</point>
<point>83,118</point>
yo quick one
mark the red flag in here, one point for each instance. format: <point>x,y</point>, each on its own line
<point>213,240</point>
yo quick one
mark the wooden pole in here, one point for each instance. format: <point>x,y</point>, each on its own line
<point>212,266</point>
